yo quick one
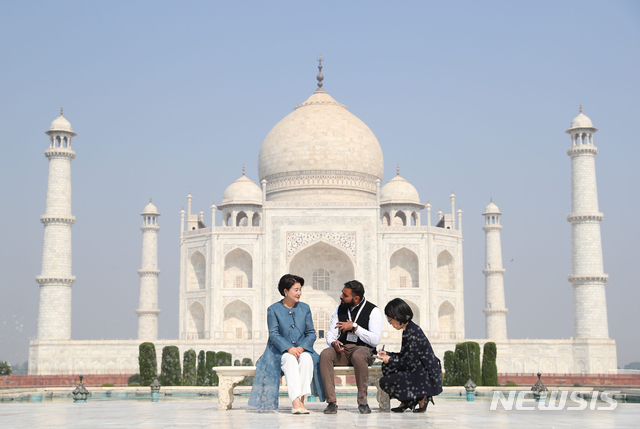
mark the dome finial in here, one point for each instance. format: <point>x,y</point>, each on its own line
<point>243,173</point>
<point>580,107</point>
<point>398,170</point>
<point>60,110</point>
<point>320,77</point>
<point>150,199</point>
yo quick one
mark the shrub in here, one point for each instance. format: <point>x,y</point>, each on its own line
<point>211,378</point>
<point>449,378</point>
<point>489,366</point>
<point>135,378</point>
<point>134,384</point>
<point>467,363</point>
<point>511,384</point>
<point>107,385</point>
<point>5,368</point>
<point>170,374</point>
<point>220,359</point>
<point>236,362</point>
<point>189,368</point>
<point>147,363</point>
<point>202,370</point>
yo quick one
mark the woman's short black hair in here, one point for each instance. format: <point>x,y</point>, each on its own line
<point>287,281</point>
<point>399,310</point>
<point>357,289</point>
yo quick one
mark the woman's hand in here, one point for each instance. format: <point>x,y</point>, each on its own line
<point>296,351</point>
<point>383,356</point>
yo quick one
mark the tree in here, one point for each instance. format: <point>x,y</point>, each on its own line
<point>211,378</point>
<point>147,363</point>
<point>467,363</point>
<point>189,368</point>
<point>5,368</point>
<point>449,372</point>
<point>249,380</point>
<point>171,374</point>
<point>489,366</point>
<point>202,370</point>
<point>632,365</point>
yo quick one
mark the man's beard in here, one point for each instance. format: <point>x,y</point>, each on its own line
<point>345,305</point>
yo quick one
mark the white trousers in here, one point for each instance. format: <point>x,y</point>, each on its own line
<point>298,373</point>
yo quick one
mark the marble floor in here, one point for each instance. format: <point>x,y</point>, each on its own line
<point>204,414</point>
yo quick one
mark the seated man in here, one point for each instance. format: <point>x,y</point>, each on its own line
<point>354,332</point>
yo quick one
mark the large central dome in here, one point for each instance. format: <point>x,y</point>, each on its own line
<point>321,146</point>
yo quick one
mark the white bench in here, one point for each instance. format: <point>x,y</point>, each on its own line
<point>230,376</point>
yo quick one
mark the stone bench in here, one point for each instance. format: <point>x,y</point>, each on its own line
<point>230,376</point>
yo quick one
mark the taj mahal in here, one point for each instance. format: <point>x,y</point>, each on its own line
<point>319,209</point>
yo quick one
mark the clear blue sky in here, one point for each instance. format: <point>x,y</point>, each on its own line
<point>168,97</point>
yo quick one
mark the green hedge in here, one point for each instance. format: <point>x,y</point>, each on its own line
<point>134,384</point>
<point>467,363</point>
<point>489,366</point>
<point>211,378</point>
<point>449,378</point>
<point>135,378</point>
<point>201,370</point>
<point>147,363</point>
<point>189,377</point>
<point>249,380</point>
<point>171,374</point>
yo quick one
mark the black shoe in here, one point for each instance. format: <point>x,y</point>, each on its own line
<point>331,408</point>
<point>423,409</point>
<point>364,409</point>
<point>401,408</point>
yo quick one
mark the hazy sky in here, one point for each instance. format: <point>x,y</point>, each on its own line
<point>168,97</point>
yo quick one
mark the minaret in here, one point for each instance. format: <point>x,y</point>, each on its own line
<point>495,311</point>
<point>55,279</point>
<point>587,276</point>
<point>149,272</point>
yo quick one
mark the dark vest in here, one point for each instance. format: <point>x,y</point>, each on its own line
<point>363,321</point>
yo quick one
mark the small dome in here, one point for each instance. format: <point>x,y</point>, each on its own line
<point>150,209</point>
<point>398,191</point>
<point>581,121</point>
<point>492,208</point>
<point>242,191</point>
<point>61,124</point>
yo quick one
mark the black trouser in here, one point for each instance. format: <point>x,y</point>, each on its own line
<point>389,384</point>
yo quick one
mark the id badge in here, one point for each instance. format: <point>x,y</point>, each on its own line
<point>352,338</point>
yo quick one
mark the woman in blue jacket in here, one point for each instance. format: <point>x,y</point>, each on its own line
<point>290,350</point>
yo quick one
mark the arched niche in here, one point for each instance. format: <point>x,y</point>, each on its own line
<point>255,221</point>
<point>386,220</point>
<point>237,321</point>
<point>242,219</point>
<point>445,271</point>
<point>196,272</point>
<point>195,328</point>
<point>403,271</point>
<point>336,267</point>
<point>400,219</point>
<point>238,269</point>
<point>447,321</point>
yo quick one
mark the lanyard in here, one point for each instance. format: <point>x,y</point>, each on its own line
<point>359,311</point>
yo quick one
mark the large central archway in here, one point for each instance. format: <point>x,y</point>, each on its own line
<point>325,269</point>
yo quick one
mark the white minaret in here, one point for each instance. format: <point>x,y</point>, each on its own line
<point>587,276</point>
<point>495,311</point>
<point>55,279</point>
<point>149,272</point>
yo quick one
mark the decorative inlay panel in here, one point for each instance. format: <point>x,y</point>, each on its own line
<point>442,299</point>
<point>228,299</point>
<point>200,300</point>
<point>415,248</point>
<point>200,249</point>
<point>247,247</point>
<point>346,240</point>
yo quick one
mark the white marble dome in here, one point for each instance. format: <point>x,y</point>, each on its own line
<point>61,124</point>
<point>581,121</point>
<point>492,208</point>
<point>321,139</point>
<point>150,209</point>
<point>399,191</point>
<point>242,191</point>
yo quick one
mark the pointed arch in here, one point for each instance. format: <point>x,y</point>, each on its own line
<point>447,320</point>
<point>195,321</point>
<point>227,219</point>
<point>242,219</point>
<point>386,220</point>
<point>445,271</point>
<point>400,219</point>
<point>255,221</point>
<point>416,312</point>
<point>237,321</point>
<point>238,269</point>
<point>404,269</point>
<point>196,272</point>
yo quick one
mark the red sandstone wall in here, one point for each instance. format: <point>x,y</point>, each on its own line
<point>62,380</point>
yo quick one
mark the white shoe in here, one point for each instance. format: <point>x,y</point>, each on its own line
<point>298,411</point>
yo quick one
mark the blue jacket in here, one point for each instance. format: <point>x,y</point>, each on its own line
<point>288,327</point>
